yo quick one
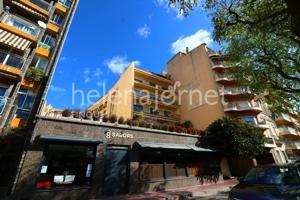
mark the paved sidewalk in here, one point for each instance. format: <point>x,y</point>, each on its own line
<point>197,192</point>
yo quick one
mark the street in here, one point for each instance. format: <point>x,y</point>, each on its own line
<point>222,195</point>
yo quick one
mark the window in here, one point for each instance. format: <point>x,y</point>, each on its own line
<point>57,19</point>
<point>151,165</point>
<point>22,25</point>
<point>10,59</point>
<point>67,3</point>
<point>176,165</point>
<point>138,108</point>
<point>152,84</point>
<point>3,90</point>
<point>66,166</point>
<point>152,96</point>
<point>153,111</point>
<point>39,62</point>
<point>25,102</point>
<point>249,120</point>
<point>49,40</point>
<point>167,113</point>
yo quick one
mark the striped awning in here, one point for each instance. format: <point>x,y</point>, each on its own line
<point>13,40</point>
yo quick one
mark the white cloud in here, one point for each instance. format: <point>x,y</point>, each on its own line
<point>170,8</point>
<point>89,74</point>
<point>63,58</point>
<point>57,89</point>
<point>144,31</point>
<point>118,64</point>
<point>86,75</point>
<point>191,41</point>
<point>97,72</point>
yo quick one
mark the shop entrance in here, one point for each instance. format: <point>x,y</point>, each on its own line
<point>116,171</point>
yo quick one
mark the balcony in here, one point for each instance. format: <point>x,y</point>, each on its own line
<point>225,79</point>
<point>142,83</point>
<point>270,143</point>
<point>66,3</point>
<point>20,27</point>
<point>43,49</point>
<point>289,132</point>
<point>156,100</point>
<point>40,6</point>
<point>11,60</point>
<point>145,114</point>
<point>243,106</point>
<point>234,91</point>
<point>284,119</point>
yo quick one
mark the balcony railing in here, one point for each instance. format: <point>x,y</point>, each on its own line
<point>288,131</point>
<point>22,25</point>
<point>225,77</point>
<point>241,106</point>
<point>45,46</point>
<point>149,83</point>
<point>157,116</point>
<point>11,60</point>
<point>3,102</point>
<point>42,4</point>
<point>234,91</point>
<point>66,3</point>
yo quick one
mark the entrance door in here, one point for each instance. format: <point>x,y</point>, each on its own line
<point>116,171</point>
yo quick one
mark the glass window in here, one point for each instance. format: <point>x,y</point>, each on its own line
<point>22,25</point>
<point>3,56</point>
<point>249,120</point>
<point>153,111</point>
<point>39,62</point>
<point>67,3</point>
<point>272,176</point>
<point>176,165</point>
<point>49,40</point>
<point>167,113</point>
<point>67,166</point>
<point>151,165</point>
<point>138,108</point>
<point>57,19</point>
<point>3,90</point>
<point>25,99</point>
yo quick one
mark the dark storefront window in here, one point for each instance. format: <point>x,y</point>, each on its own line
<point>151,166</point>
<point>175,165</point>
<point>66,165</point>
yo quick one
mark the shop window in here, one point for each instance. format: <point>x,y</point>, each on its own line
<point>66,166</point>
<point>151,166</point>
<point>176,165</point>
<point>138,108</point>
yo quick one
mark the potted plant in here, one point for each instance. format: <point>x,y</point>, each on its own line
<point>121,120</point>
<point>34,74</point>
<point>105,118</point>
<point>88,115</point>
<point>129,122</point>
<point>96,116</point>
<point>66,112</point>
<point>135,122</point>
<point>142,124</point>
<point>165,127</point>
<point>77,113</point>
<point>148,125</point>
<point>113,118</point>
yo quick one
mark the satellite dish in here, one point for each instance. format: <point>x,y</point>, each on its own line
<point>42,24</point>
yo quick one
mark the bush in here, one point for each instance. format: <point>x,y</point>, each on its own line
<point>34,74</point>
<point>142,124</point>
<point>77,113</point>
<point>113,118</point>
<point>155,126</point>
<point>187,124</point>
<point>129,122</point>
<point>135,122</point>
<point>96,115</point>
<point>148,125</point>
<point>235,138</point>
<point>66,112</point>
<point>165,127</point>
<point>88,114</point>
<point>172,128</point>
<point>121,120</point>
<point>105,118</point>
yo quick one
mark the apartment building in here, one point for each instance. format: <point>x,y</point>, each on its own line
<point>203,70</point>
<point>289,129</point>
<point>32,34</point>
<point>138,93</point>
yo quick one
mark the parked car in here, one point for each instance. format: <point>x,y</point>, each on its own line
<point>269,182</point>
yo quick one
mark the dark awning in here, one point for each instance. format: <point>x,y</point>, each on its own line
<point>48,138</point>
<point>154,145</point>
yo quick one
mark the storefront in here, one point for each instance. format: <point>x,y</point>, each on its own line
<point>76,159</point>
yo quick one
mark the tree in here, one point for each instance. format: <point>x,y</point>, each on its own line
<point>257,38</point>
<point>235,138</point>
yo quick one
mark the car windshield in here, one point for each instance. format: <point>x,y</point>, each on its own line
<point>272,176</point>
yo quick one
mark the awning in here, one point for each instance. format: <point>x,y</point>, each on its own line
<point>48,138</point>
<point>13,40</point>
<point>172,146</point>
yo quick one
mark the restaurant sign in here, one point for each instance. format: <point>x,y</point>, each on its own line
<point>112,134</point>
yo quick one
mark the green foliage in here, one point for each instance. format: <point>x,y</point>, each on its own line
<point>256,36</point>
<point>34,74</point>
<point>188,124</point>
<point>235,138</point>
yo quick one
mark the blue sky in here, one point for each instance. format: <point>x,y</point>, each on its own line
<point>106,35</point>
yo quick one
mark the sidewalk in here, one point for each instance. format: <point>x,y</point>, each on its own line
<point>175,194</point>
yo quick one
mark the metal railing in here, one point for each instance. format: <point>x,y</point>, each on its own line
<point>66,3</point>
<point>44,46</point>
<point>245,105</point>
<point>12,60</point>
<point>157,116</point>
<point>234,91</point>
<point>22,25</point>
<point>225,77</point>
<point>42,4</point>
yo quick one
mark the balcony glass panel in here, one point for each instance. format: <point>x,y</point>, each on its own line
<point>3,101</point>
<point>42,4</point>
<point>67,3</point>
<point>11,60</point>
<point>22,25</point>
